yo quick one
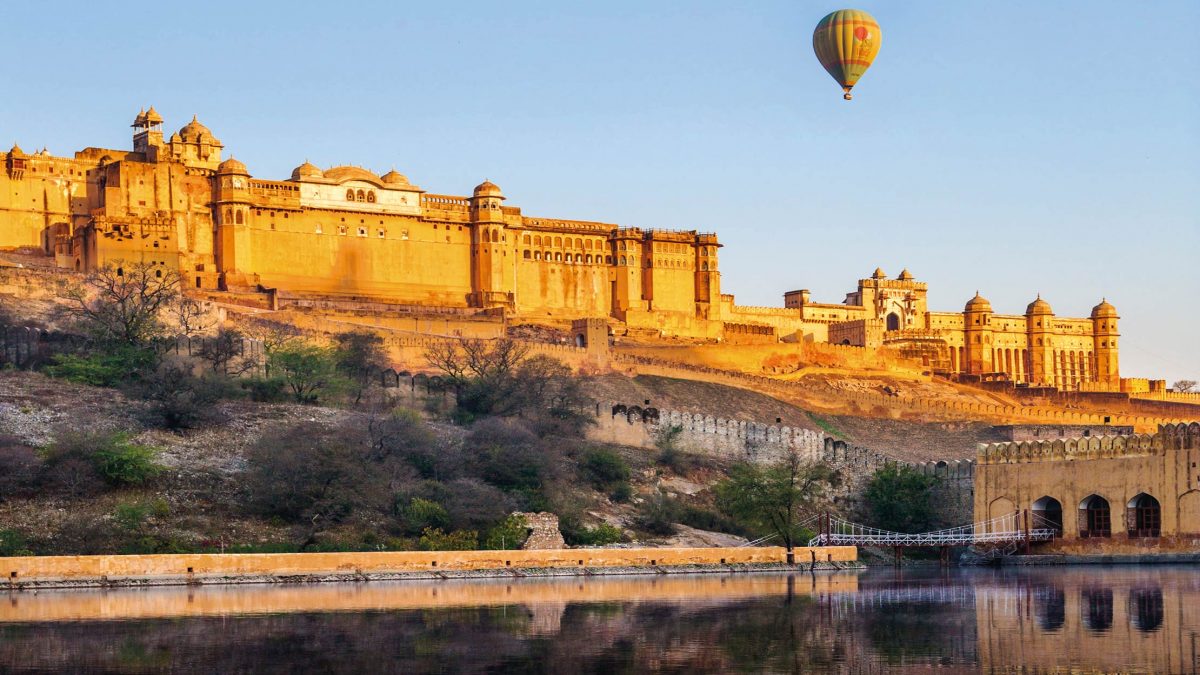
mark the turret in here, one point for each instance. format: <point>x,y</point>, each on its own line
<point>231,214</point>
<point>708,278</point>
<point>1104,336</point>
<point>977,321</point>
<point>147,134</point>
<point>490,285</point>
<point>1039,318</point>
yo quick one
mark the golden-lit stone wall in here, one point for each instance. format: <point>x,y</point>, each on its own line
<point>349,233</point>
<point>1066,475</point>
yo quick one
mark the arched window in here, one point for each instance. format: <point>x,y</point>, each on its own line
<point>569,244</point>
<point>578,257</point>
<point>525,240</point>
<point>621,246</point>
<point>557,257</point>
<point>578,243</point>
<point>1143,516</point>
<point>371,197</point>
<point>608,260</point>
<point>588,244</point>
<point>496,236</point>
<point>1047,514</point>
<point>1095,520</point>
<point>528,255</point>
<point>623,260</point>
<point>157,274</point>
<point>537,241</point>
<point>349,195</point>
<point>120,271</point>
<point>558,242</point>
<point>587,259</point>
<point>893,321</point>
<point>704,266</point>
<point>537,255</point>
<point>228,216</point>
<point>238,216</point>
<point>361,196</point>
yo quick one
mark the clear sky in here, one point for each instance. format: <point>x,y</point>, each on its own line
<point>1011,147</point>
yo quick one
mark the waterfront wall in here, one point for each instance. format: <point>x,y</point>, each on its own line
<point>280,566</point>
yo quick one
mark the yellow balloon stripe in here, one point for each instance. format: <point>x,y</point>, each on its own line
<point>846,42</point>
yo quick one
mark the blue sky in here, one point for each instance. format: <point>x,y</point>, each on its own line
<point>1014,147</point>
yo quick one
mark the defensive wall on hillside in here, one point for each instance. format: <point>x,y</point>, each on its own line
<point>741,440</point>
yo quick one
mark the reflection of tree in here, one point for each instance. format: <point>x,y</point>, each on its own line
<point>918,631</point>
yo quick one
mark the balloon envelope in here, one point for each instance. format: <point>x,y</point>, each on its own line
<point>846,42</point>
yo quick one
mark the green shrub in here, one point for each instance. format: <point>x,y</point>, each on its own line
<point>657,515</point>
<point>265,389</point>
<point>111,368</point>
<point>131,516</point>
<point>604,468</point>
<point>422,514</point>
<point>12,543</point>
<point>510,533</point>
<point>123,463</point>
<point>622,493</point>
<point>434,539</point>
<point>599,535</point>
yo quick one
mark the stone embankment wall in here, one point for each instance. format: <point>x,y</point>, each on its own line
<point>740,440</point>
<point>218,568</point>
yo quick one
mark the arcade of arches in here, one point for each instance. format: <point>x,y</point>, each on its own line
<point>1112,492</point>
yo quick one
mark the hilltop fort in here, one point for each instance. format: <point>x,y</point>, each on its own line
<point>347,235</point>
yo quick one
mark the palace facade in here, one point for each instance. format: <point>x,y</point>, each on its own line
<point>346,232</point>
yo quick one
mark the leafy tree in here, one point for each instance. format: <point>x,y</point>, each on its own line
<point>509,533</point>
<point>901,499</point>
<point>359,355</point>
<point>273,336</point>
<point>121,303</point>
<point>670,454</point>
<point>308,371</point>
<point>13,543</point>
<point>600,535</point>
<point>421,514</point>
<point>776,498</point>
<point>657,515</point>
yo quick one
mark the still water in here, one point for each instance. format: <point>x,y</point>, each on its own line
<point>1084,619</point>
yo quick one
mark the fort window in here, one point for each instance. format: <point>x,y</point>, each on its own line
<point>704,266</point>
<point>361,196</point>
<point>371,197</point>
<point>587,259</point>
<point>893,321</point>
<point>238,217</point>
<point>1144,516</point>
<point>557,257</point>
<point>525,240</point>
<point>1047,513</point>
<point>537,255</point>
<point>349,195</point>
<point>197,282</point>
<point>120,271</point>
<point>319,231</point>
<point>527,254</point>
<point>157,274</point>
<point>381,232</point>
<point>569,244</point>
<point>341,229</point>
<point>578,257</point>
<point>558,242</point>
<point>608,260</point>
<point>1095,519</point>
<point>578,243</point>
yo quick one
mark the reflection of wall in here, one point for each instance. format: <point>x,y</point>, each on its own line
<point>1087,622</point>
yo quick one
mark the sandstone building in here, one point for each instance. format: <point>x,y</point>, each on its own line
<point>345,232</point>
<point>1122,491</point>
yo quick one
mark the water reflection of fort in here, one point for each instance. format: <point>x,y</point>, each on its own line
<point>1007,621</point>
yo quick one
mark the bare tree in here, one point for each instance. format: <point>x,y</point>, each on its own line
<point>483,373</point>
<point>225,352</point>
<point>121,303</point>
<point>191,315</point>
<point>1184,385</point>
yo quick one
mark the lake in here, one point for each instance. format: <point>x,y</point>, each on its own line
<point>1089,619</point>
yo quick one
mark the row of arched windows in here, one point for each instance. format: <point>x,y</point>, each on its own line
<point>1143,516</point>
<point>1069,367</point>
<point>560,242</point>
<point>558,256</point>
<point>367,196</point>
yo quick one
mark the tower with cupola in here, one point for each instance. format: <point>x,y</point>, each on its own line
<point>492,266</point>
<point>977,325</point>
<point>1039,336</point>
<point>231,214</point>
<point>1104,335</point>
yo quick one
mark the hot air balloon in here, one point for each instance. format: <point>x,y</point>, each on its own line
<point>846,42</point>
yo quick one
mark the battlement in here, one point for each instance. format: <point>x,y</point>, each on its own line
<point>1168,437</point>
